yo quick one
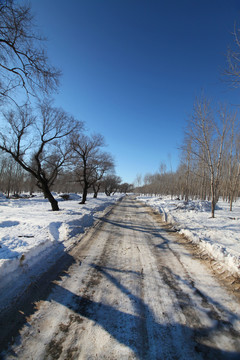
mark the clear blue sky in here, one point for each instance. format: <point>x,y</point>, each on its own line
<point>132,69</point>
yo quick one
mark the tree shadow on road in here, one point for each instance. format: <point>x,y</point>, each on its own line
<point>139,331</point>
<point>17,312</point>
<point>152,230</point>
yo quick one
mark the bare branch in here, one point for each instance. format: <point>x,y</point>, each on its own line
<point>23,60</point>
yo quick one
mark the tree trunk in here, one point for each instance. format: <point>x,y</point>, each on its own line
<point>213,199</point>
<point>53,202</point>
<point>96,188</point>
<point>84,194</point>
<point>231,202</point>
<point>48,195</point>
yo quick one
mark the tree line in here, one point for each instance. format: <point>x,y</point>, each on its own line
<point>210,159</point>
<point>42,146</point>
<point>210,152</point>
<point>17,183</point>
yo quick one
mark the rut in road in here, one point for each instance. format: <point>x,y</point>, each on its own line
<point>133,292</point>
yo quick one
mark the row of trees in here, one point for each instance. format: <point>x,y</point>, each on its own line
<point>210,153</point>
<point>44,141</point>
<point>14,181</point>
<point>51,145</point>
<point>210,159</point>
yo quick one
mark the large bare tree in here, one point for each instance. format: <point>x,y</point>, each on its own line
<point>40,144</point>
<point>23,60</point>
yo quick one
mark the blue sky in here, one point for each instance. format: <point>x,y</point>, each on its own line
<point>132,69</point>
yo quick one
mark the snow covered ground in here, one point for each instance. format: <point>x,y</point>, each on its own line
<point>32,236</point>
<point>219,237</point>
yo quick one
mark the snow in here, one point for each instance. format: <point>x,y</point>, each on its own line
<point>32,236</point>
<point>137,293</point>
<point>219,237</point>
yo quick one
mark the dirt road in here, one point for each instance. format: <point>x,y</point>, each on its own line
<point>130,290</point>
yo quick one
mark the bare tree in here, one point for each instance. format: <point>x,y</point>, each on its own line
<point>104,164</point>
<point>12,177</point>
<point>186,154</point>
<point>138,180</point>
<point>23,60</point>
<point>111,184</point>
<point>232,72</point>
<point>39,144</point>
<point>162,167</point>
<point>90,162</point>
<point>207,138</point>
<point>147,179</point>
<point>125,188</point>
<point>231,164</point>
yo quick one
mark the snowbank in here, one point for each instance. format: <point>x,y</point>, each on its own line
<point>219,237</point>
<point>32,236</point>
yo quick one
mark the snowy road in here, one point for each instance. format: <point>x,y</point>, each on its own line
<point>130,290</point>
